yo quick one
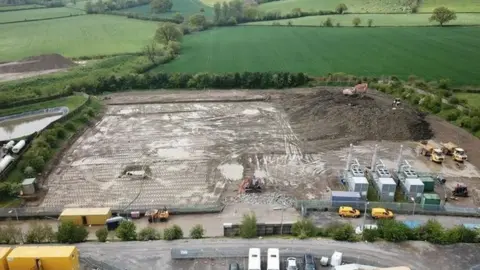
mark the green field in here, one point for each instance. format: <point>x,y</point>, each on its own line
<point>456,5</point>
<point>429,52</point>
<point>76,36</point>
<point>378,20</point>
<point>72,102</point>
<point>357,6</point>
<point>472,98</point>
<point>184,7</point>
<point>18,7</point>
<point>34,14</point>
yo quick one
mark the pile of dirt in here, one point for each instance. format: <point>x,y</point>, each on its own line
<point>37,63</point>
<point>329,115</point>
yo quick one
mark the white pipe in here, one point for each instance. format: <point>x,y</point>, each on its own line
<point>374,158</point>
<point>400,157</point>
<point>349,157</point>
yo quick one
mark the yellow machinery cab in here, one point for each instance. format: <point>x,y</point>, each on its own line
<point>437,155</point>
<point>459,155</point>
<point>347,211</point>
<point>382,213</point>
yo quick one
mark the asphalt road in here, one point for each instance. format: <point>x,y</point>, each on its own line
<point>157,254</point>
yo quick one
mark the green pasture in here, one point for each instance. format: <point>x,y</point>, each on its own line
<point>77,36</point>
<point>378,20</point>
<point>184,7</point>
<point>429,52</point>
<point>356,6</point>
<point>473,99</point>
<point>456,5</point>
<point>18,7</point>
<point>35,14</point>
<point>72,102</point>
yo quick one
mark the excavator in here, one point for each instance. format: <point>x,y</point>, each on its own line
<point>251,185</point>
<point>460,190</point>
<point>154,215</point>
<point>356,90</point>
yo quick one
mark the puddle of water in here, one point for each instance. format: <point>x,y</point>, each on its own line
<point>15,128</point>
<point>231,171</point>
<point>251,111</point>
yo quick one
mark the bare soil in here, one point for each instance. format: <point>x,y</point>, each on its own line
<point>37,63</point>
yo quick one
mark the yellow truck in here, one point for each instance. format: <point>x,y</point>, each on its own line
<point>432,150</point>
<point>457,153</point>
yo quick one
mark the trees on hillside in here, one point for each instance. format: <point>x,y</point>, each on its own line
<point>341,8</point>
<point>168,32</point>
<point>356,21</point>
<point>161,6</point>
<point>443,15</point>
<point>197,21</point>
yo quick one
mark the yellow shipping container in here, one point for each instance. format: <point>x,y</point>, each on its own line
<point>48,257</point>
<point>86,216</point>
<point>4,251</point>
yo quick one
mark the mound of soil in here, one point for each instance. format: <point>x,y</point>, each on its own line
<point>329,115</point>
<point>37,63</point>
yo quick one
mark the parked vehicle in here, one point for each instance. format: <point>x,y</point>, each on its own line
<point>382,213</point>
<point>292,263</point>
<point>347,211</point>
<point>309,262</point>
<point>273,259</point>
<point>254,262</point>
<point>234,266</point>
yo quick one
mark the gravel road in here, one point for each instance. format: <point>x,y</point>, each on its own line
<point>156,255</point>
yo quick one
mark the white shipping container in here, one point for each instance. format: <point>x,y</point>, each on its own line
<point>18,146</point>
<point>5,162</point>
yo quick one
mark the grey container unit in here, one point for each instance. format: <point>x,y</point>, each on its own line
<point>414,188</point>
<point>347,198</point>
<point>29,186</point>
<point>384,184</point>
<point>356,180</point>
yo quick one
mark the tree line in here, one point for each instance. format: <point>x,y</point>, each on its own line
<point>100,6</point>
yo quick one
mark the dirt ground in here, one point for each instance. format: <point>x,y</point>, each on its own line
<point>34,66</point>
<point>195,147</point>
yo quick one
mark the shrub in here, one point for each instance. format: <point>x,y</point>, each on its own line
<point>90,112</point>
<point>341,8</point>
<point>148,233</point>
<point>460,234</point>
<point>39,233</point>
<point>172,233</point>
<point>178,231</point>
<point>51,140</point>
<point>29,172</point>
<point>344,233</point>
<point>328,22</point>
<point>452,115</point>
<point>61,133</point>
<point>432,231</point>
<point>337,24</point>
<point>70,126</point>
<point>330,229</point>
<point>197,232</point>
<point>393,231</point>
<point>174,46</point>
<point>370,22</point>
<point>126,231</point>
<point>304,228</point>
<point>69,232</point>
<point>37,163</point>
<point>356,21</point>
<point>102,234</point>
<point>10,234</point>
<point>370,235</point>
<point>248,227</point>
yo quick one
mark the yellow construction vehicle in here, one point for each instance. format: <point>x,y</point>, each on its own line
<point>432,150</point>
<point>457,153</point>
<point>154,215</point>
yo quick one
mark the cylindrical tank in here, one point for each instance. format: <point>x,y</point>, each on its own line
<point>9,145</point>
<point>18,146</point>
<point>5,162</point>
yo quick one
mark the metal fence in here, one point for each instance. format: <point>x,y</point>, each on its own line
<point>396,207</point>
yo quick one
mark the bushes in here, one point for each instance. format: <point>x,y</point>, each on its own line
<point>68,232</point>
<point>147,234</point>
<point>393,231</point>
<point>102,234</point>
<point>10,234</point>
<point>197,232</point>
<point>173,233</point>
<point>370,235</point>
<point>126,231</point>
<point>344,233</point>
<point>39,233</point>
<point>304,228</point>
<point>248,227</point>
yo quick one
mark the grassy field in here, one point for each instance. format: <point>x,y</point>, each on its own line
<point>378,20</point>
<point>357,6</point>
<point>33,14</point>
<point>18,7</point>
<point>76,36</point>
<point>457,5</point>
<point>472,98</point>
<point>72,102</point>
<point>184,7</point>
<point>429,52</point>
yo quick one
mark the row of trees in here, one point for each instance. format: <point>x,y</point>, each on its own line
<point>100,6</point>
<point>38,233</point>
<point>46,3</point>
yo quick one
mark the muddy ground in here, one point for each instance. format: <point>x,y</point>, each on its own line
<point>34,66</point>
<point>196,147</point>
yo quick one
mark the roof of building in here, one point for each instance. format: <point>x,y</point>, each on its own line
<point>337,193</point>
<point>414,182</point>
<point>360,180</point>
<point>431,196</point>
<point>28,181</point>
<point>42,252</point>
<point>386,181</point>
<point>85,211</point>
<point>4,251</point>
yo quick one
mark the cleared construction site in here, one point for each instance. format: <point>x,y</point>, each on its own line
<point>190,150</point>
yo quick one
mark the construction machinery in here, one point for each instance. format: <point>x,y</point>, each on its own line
<point>460,190</point>
<point>154,215</point>
<point>251,185</point>
<point>457,153</point>
<point>356,90</point>
<point>433,150</point>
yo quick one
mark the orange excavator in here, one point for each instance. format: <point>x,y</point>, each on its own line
<point>359,89</point>
<point>251,185</point>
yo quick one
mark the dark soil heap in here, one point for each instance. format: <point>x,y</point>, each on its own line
<point>329,115</point>
<point>37,63</point>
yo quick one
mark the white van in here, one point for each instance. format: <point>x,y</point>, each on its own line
<point>273,259</point>
<point>254,259</point>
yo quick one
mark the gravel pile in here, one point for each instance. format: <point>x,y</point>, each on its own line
<point>328,114</point>
<point>271,198</point>
<point>37,63</point>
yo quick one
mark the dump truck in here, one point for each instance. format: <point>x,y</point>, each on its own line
<point>357,89</point>
<point>432,150</point>
<point>457,153</point>
<point>154,215</point>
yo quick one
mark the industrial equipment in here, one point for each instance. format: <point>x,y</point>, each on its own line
<point>251,185</point>
<point>408,179</point>
<point>457,153</point>
<point>357,89</point>
<point>433,150</point>
<point>154,215</point>
<point>4,162</point>
<point>396,102</point>
<point>354,175</point>
<point>18,147</point>
<point>382,179</point>
<point>460,190</point>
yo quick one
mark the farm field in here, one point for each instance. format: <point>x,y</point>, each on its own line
<point>356,6</point>
<point>184,7</point>
<point>472,98</point>
<point>34,14</point>
<point>378,20</point>
<point>76,36</point>
<point>18,7</point>
<point>457,5</point>
<point>429,52</point>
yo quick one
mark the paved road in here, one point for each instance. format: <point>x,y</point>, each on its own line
<point>156,254</point>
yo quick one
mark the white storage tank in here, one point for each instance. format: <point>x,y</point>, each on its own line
<point>18,146</point>
<point>414,188</point>
<point>9,145</point>
<point>5,162</point>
